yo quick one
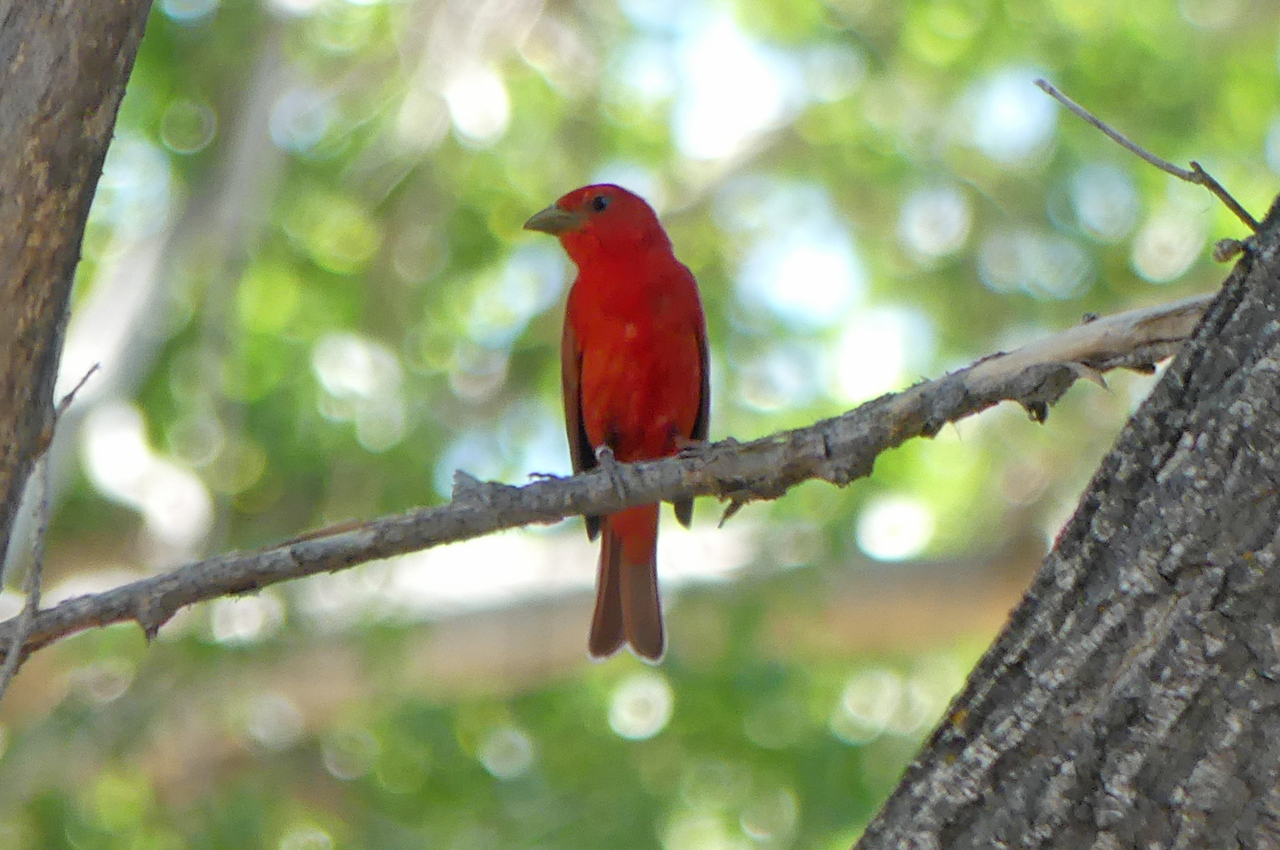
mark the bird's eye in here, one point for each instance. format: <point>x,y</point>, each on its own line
<point>599,202</point>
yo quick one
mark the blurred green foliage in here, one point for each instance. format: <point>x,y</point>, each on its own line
<point>306,281</point>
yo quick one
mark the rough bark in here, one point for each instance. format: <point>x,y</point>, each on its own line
<point>63,68</point>
<point>1133,700</point>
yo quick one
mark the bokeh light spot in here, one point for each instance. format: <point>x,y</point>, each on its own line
<point>361,380</point>
<point>1166,246</point>
<point>1045,265</point>
<point>802,266</point>
<point>300,118</point>
<point>645,73</point>
<point>268,297</point>
<point>115,450</point>
<point>120,463</point>
<point>775,725</point>
<point>175,504</point>
<point>120,800</point>
<point>350,366</point>
<point>770,815</point>
<point>197,438</point>
<point>806,278</point>
<point>273,721</point>
<point>878,350</point>
<point>418,253</point>
<point>934,222</point>
<point>135,193</point>
<point>343,27</point>
<point>188,11</point>
<point>867,704</point>
<point>244,620</point>
<point>338,234</point>
<point>528,283</point>
<point>422,120</point>
<point>1105,201</point>
<point>713,784</point>
<point>894,527</point>
<point>506,752</point>
<point>641,706</point>
<point>700,831</point>
<point>477,372</point>
<point>833,71</point>
<point>293,8</point>
<point>103,681</point>
<point>238,466</point>
<point>779,378</point>
<point>655,15</point>
<point>1210,14</point>
<point>187,125</point>
<point>479,105</point>
<point>1012,119</point>
<point>306,838</point>
<point>349,753</point>
<point>11,603</point>
<point>733,90</point>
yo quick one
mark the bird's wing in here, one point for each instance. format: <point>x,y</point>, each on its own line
<point>684,507</point>
<point>580,452</point>
<point>702,424</point>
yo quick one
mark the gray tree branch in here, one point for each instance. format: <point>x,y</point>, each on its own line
<point>1133,700</point>
<point>837,450</point>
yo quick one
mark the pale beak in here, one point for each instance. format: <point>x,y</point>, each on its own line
<point>555,221</point>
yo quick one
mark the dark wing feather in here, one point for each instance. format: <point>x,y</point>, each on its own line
<point>684,507</point>
<point>580,453</point>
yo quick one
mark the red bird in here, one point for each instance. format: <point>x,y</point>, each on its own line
<point>633,363</point>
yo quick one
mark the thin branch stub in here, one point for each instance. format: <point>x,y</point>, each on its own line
<point>1196,174</point>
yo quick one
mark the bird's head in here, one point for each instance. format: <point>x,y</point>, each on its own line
<point>600,219</point>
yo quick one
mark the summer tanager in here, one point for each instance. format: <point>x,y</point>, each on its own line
<point>633,365</point>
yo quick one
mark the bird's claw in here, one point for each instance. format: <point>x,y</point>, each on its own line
<point>688,447</point>
<point>609,465</point>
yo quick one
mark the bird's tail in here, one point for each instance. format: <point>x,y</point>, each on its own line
<point>627,605</point>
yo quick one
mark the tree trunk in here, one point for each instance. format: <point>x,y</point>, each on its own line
<point>63,68</point>
<point>1133,700</point>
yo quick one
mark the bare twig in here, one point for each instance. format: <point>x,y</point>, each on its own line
<point>26,619</point>
<point>837,450</point>
<point>71,395</point>
<point>1196,175</point>
<point>14,655</point>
